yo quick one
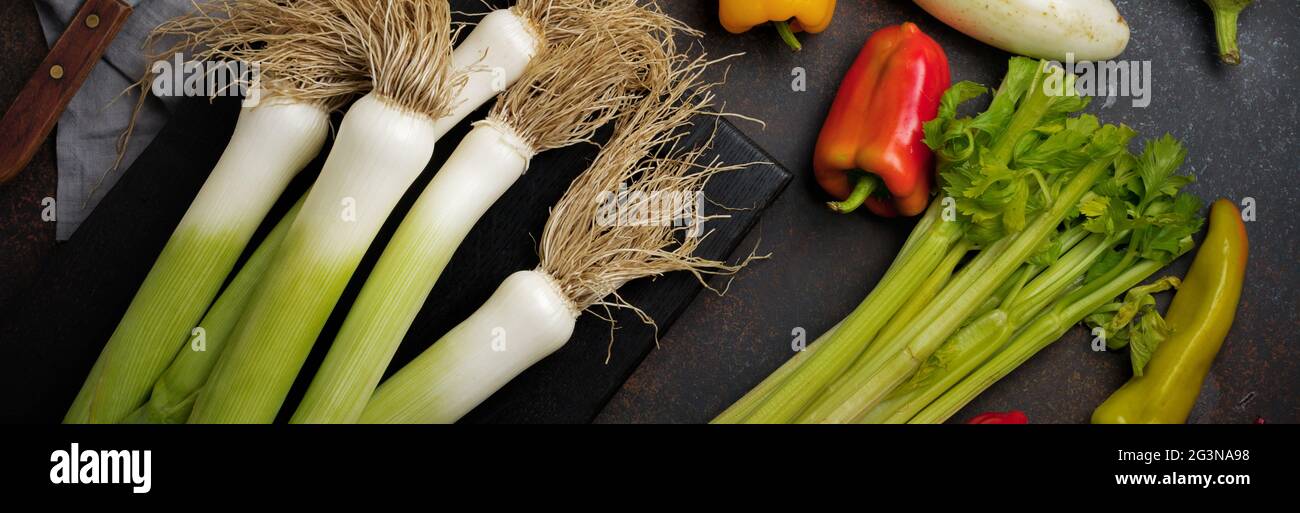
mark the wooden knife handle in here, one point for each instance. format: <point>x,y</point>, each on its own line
<point>37,108</point>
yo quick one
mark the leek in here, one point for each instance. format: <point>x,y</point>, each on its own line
<point>384,141</point>
<point>173,395</point>
<point>480,57</point>
<point>304,79</point>
<point>583,262</point>
<point>576,86</point>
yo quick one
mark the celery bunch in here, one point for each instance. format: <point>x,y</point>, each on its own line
<point>1045,217</point>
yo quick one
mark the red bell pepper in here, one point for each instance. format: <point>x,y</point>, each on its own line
<point>873,134</point>
<point>1010,417</point>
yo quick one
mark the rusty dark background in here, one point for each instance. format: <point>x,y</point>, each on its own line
<point>1242,127</point>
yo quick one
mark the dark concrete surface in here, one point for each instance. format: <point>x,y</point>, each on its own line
<point>25,238</point>
<point>1240,124</point>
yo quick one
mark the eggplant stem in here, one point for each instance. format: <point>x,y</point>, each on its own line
<point>1225,30</point>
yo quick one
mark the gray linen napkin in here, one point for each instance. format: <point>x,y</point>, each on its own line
<point>87,134</point>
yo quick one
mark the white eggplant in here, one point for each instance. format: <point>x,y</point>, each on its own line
<point>1091,30</point>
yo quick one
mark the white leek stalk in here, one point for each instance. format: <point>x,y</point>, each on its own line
<point>380,150</point>
<point>303,78</point>
<point>526,319</point>
<point>384,142</point>
<point>485,164</point>
<point>173,395</point>
<point>578,86</point>
<point>499,48</point>
<point>271,143</point>
<point>493,56</point>
<point>583,262</point>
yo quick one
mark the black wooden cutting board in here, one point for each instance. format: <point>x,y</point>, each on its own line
<point>51,336</point>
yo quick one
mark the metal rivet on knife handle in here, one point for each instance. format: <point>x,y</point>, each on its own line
<point>33,114</point>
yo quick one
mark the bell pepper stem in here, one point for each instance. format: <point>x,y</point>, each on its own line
<point>861,191</point>
<point>1225,30</point>
<point>787,35</point>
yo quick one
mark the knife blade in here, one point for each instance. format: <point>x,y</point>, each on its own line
<point>37,108</point>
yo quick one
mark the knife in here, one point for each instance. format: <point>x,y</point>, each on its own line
<point>37,108</point>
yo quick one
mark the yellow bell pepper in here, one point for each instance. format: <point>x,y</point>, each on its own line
<point>813,16</point>
<point>1200,315</point>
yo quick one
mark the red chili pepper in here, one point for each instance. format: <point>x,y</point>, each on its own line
<point>873,134</point>
<point>1010,417</point>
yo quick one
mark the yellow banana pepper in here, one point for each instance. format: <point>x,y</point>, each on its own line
<point>1200,315</point>
<point>813,16</point>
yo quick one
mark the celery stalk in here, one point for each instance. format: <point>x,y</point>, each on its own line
<point>1045,329</point>
<point>979,340</point>
<point>858,330</point>
<point>742,409</point>
<point>959,356</point>
<point>927,291</point>
<point>858,391</point>
<point>1014,175</point>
